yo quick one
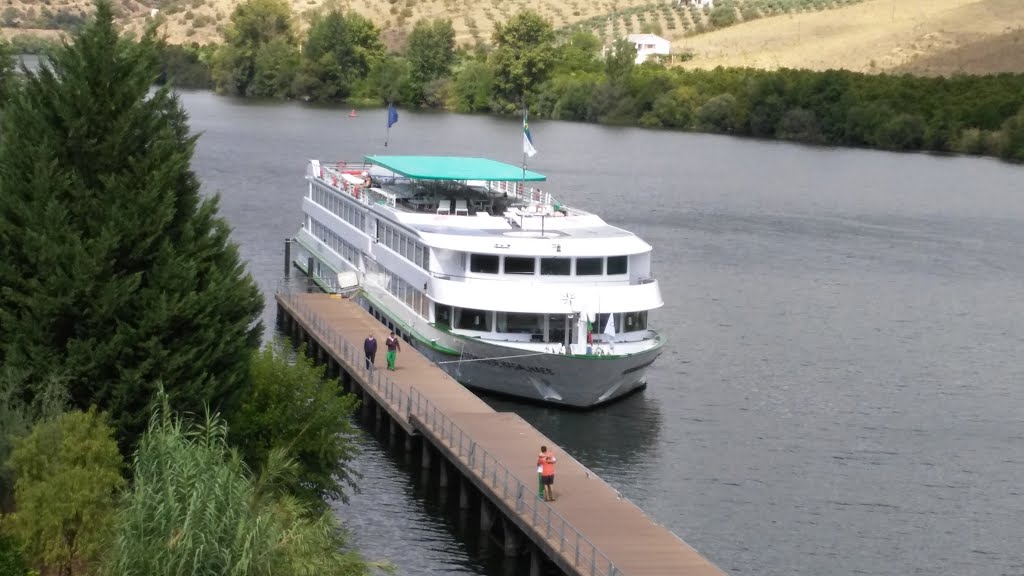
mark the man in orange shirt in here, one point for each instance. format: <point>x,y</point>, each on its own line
<point>546,461</point>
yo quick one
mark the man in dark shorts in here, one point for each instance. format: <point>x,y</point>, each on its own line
<point>546,462</point>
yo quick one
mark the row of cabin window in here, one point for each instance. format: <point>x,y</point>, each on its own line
<point>519,323</point>
<point>339,206</point>
<point>405,292</point>
<point>403,244</point>
<point>492,264</point>
<point>335,242</point>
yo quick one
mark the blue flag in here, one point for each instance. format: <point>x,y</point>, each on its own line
<point>392,115</point>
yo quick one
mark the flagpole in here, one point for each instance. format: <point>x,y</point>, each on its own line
<point>387,134</point>
<point>523,185</point>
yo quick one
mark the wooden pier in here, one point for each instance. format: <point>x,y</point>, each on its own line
<point>590,530</point>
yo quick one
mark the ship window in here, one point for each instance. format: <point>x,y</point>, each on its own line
<point>555,266</point>
<point>483,263</point>
<point>617,265</point>
<point>634,321</point>
<point>520,265</point>
<point>470,319</point>
<point>442,315</point>
<point>515,323</point>
<point>389,236</point>
<point>426,258</point>
<point>589,266</point>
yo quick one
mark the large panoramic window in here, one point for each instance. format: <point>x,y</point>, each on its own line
<point>617,265</point>
<point>519,265</point>
<point>589,266</point>
<point>516,323</point>
<point>555,266</point>
<point>483,263</point>
<point>470,319</point>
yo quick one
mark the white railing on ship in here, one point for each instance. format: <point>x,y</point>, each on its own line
<point>549,524</point>
<point>333,175</point>
<point>517,190</point>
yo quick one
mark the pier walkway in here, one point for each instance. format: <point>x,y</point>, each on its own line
<point>590,530</point>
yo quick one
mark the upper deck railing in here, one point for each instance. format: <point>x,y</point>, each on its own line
<point>347,177</point>
<point>549,524</point>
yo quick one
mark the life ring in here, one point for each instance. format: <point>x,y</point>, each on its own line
<point>355,192</point>
<point>600,351</point>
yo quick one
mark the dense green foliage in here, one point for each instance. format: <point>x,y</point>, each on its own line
<point>194,509</point>
<point>11,562</point>
<point>186,65</point>
<point>69,472</point>
<point>522,59</point>
<point>573,78</point>
<point>291,407</point>
<point>119,287</point>
<point>8,72</point>
<point>17,416</point>
<point>431,53</point>
<point>115,272</point>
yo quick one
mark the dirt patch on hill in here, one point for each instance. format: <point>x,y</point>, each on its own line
<point>876,36</point>
<point>1003,53</point>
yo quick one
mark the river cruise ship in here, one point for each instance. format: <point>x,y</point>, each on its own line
<point>485,273</point>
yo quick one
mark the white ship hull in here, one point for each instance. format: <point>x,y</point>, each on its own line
<point>559,379</point>
<point>571,381</point>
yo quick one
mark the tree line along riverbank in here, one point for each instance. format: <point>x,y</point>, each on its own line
<point>340,58</point>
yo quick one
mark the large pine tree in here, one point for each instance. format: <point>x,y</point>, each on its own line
<point>115,273</point>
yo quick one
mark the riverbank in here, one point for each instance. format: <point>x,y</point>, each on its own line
<point>974,115</point>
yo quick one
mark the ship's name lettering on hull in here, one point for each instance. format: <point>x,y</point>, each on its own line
<point>510,365</point>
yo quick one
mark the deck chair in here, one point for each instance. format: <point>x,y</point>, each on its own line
<point>444,207</point>
<point>460,208</point>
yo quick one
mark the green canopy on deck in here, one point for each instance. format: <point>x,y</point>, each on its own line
<point>453,168</point>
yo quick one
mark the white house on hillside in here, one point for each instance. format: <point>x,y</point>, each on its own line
<point>647,44</point>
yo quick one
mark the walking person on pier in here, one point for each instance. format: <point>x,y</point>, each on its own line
<point>393,348</point>
<point>546,460</point>
<point>370,349</point>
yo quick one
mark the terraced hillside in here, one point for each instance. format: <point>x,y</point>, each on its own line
<point>919,36</point>
<point>200,20</point>
<point>675,20</point>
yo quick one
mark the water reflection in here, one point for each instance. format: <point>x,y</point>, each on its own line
<point>608,438</point>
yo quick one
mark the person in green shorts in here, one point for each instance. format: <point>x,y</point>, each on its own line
<point>393,348</point>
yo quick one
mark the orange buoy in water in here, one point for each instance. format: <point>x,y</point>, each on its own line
<point>352,114</point>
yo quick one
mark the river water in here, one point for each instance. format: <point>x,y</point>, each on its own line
<point>842,391</point>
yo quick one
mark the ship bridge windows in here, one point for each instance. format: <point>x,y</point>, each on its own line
<point>520,265</point>
<point>618,265</point>
<point>484,263</point>
<point>589,266</point>
<point>555,266</point>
